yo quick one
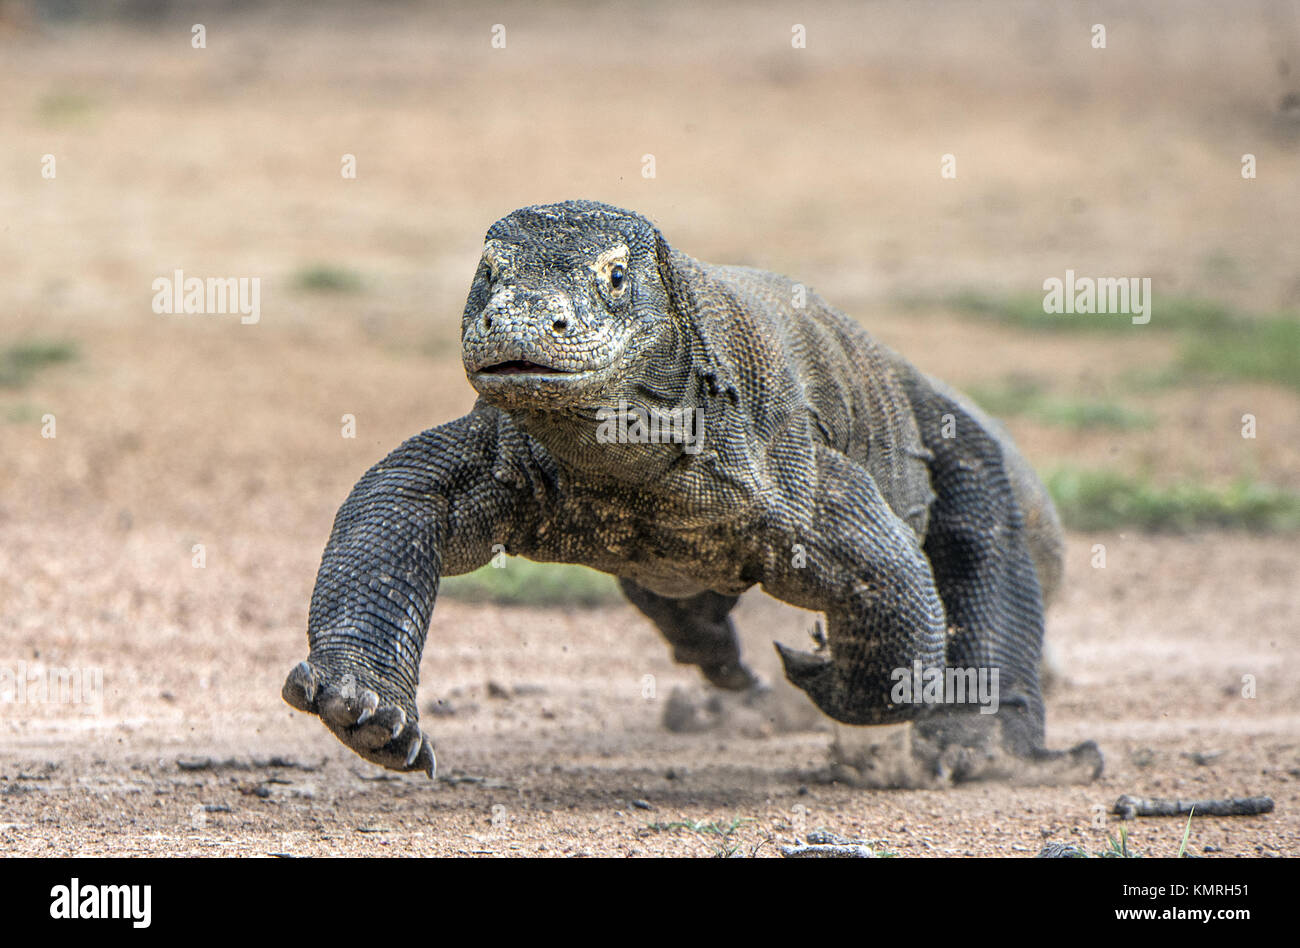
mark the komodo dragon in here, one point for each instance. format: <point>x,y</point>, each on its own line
<point>826,470</point>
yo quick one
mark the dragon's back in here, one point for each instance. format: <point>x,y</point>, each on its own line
<point>842,381</point>
<point>853,389</point>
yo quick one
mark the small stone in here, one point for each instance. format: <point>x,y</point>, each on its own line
<point>442,709</point>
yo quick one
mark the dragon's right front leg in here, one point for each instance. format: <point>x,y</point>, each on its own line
<point>862,565</point>
<point>864,568</point>
<point>435,505</point>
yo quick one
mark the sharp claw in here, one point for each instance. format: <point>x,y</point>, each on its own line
<point>800,666</point>
<point>350,706</point>
<point>369,702</point>
<point>300,687</point>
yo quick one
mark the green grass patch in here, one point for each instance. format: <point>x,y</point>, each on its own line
<point>719,836</point>
<point>1023,396</point>
<point>1105,500</point>
<point>522,582</point>
<point>1016,310</point>
<point>1216,342</point>
<point>19,362</point>
<point>1187,314</point>
<point>1010,396</point>
<point>65,107</point>
<point>326,278</point>
<point>23,413</point>
<point>1261,350</point>
<point>1192,314</point>
<point>1084,414</point>
<point>1118,848</point>
<point>1187,834</point>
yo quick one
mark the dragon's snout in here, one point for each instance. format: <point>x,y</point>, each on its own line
<point>523,332</point>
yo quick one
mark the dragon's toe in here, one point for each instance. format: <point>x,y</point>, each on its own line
<point>381,732</point>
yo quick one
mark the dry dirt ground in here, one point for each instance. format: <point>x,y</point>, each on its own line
<point>174,433</point>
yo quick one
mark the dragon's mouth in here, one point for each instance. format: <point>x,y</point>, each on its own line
<point>521,367</point>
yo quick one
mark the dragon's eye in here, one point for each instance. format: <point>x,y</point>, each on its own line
<point>616,275</point>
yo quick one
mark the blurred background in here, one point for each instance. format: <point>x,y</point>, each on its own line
<point>127,153</point>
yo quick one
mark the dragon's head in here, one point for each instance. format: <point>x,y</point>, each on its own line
<point>567,299</point>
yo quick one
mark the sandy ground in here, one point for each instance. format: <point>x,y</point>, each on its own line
<point>182,432</point>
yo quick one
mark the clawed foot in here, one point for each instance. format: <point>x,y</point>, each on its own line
<point>804,669</point>
<point>759,711</point>
<point>1082,763</point>
<point>815,675</point>
<point>924,757</point>
<point>944,748</point>
<point>975,747</point>
<point>733,676</point>
<point>382,733</point>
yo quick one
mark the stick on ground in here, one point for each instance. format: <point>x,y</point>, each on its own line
<point>1127,807</point>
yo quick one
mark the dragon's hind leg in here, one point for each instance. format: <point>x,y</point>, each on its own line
<point>700,632</point>
<point>979,551</point>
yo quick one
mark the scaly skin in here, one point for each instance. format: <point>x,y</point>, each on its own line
<point>830,472</point>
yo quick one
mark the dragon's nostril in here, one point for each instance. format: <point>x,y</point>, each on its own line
<point>560,325</point>
<point>487,322</point>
